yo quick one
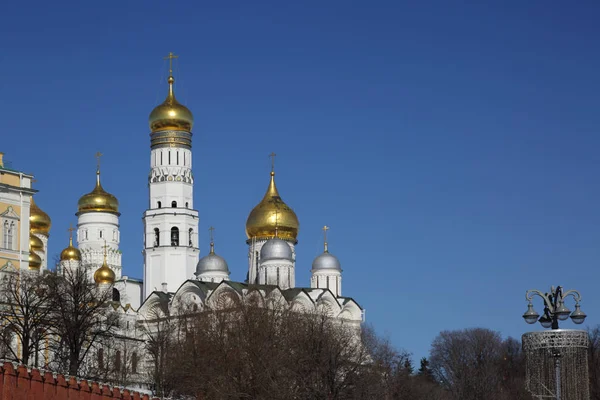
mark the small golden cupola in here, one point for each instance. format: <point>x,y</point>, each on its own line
<point>272,217</point>
<point>70,253</point>
<point>98,200</point>
<point>35,261</point>
<point>35,243</point>
<point>104,275</point>
<point>171,122</point>
<point>39,221</point>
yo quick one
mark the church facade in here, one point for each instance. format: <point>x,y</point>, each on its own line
<point>174,274</point>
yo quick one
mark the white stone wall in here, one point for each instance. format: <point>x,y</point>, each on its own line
<point>327,279</point>
<point>277,272</point>
<point>93,229</point>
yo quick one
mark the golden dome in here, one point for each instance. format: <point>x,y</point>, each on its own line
<point>70,253</point>
<point>39,221</point>
<point>171,115</point>
<point>35,261</point>
<point>98,200</point>
<point>35,243</point>
<point>272,213</point>
<point>104,274</point>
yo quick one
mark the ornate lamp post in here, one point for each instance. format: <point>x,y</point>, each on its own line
<point>554,307</point>
<point>554,311</point>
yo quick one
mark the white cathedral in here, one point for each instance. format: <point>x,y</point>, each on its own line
<point>174,275</point>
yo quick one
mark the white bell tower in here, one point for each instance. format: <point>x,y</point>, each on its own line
<point>170,223</point>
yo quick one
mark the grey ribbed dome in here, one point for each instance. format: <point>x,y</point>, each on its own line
<point>326,261</point>
<point>276,248</point>
<point>212,263</point>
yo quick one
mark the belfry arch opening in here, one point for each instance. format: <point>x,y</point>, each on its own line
<point>174,236</point>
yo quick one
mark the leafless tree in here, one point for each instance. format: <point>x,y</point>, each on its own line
<point>594,362</point>
<point>81,315</point>
<point>24,315</point>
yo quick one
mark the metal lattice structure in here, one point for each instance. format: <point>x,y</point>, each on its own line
<point>558,355</point>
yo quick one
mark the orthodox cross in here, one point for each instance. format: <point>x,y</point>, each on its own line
<point>71,229</point>
<point>325,229</point>
<point>105,247</point>
<point>170,57</point>
<point>211,229</point>
<point>272,156</point>
<point>276,222</point>
<point>98,155</point>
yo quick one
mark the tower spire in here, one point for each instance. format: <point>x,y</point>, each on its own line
<point>98,155</point>
<point>325,229</point>
<point>171,80</point>
<point>272,156</point>
<point>212,241</point>
<point>71,229</point>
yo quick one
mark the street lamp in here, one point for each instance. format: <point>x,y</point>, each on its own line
<point>554,311</point>
<point>554,307</point>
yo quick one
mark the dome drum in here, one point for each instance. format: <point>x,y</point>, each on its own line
<point>171,138</point>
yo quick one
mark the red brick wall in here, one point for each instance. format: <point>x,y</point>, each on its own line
<point>24,384</point>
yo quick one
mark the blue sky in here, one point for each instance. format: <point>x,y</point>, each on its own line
<point>451,147</point>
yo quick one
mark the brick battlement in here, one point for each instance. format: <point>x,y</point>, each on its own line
<point>24,384</point>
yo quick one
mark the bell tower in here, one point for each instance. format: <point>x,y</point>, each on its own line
<point>170,222</point>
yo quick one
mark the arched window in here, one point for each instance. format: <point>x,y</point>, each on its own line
<point>101,358</point>
<point>186,205</point>
<point>174,204</point>
<point>174,236</point>
<point>116,295</point>
<point>156,237</point>
<point>159,204</point>
<point>191,232</point>
<point>118,360</point>
<point>134,361</point>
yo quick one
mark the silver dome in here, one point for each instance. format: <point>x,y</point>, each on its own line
<point>326,261</point>
<point>212,263</point>
<point>276,248</point>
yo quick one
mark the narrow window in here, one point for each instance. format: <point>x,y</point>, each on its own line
<point>159,204</point>
<point>278,276</point>
<point>174,236</point>
<point>169,157</point>
<point>186,205</point>
<point>156,237</point>
<point>118,360</point>
<point>174,204</point>
<point>161,158</point>
<point>177,158</point>
<point>184,158</point>
<point>86,232</point>
<point>191,232</point>
<point>8,228</point>
<point>100,234</point>
<point>101,358</point>
<point>116,295</point>
<point>134,361</point>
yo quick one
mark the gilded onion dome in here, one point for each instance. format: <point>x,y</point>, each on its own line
<point>39,221</point>
<point>98,200</point>
<point>35,243</point>
<point>104,275</point>
<point>35,261</point>
<point>171,115</point>
<point>70,253</point>
<point>271,215</point>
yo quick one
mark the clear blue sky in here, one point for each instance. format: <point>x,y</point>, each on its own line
<point>452,148</point>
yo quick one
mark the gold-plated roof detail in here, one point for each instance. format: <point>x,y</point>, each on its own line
<point>70,253</point>
<point>171,115</point>
<point>98,200</point>
<point>104,275</point>
<point>35,243</point>
<point>272,217</point>
<point>35,261</point>
<point>39,221</point>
